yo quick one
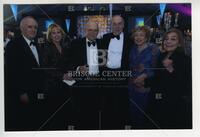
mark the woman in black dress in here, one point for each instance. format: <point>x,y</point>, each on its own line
<point>172,85</point>
<point>55,64</point>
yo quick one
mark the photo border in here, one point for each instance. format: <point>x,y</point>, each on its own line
<point>122,133</point>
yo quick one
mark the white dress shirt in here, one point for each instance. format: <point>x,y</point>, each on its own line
<point>33,49</point>
<point>92,58</point>
<point>115,52</point>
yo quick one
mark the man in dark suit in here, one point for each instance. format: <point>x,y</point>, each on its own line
<point>83,55</point>
<point>117,44</point>
<point>24,80</point>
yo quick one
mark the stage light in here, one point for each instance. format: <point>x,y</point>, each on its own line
<point>67,21</point>
<point>85,8</point>
<point>158,18</point>
<point>14,10</point>
<point>110,9</point>
<point>162,8</point>
<point>48,23</point>
<point>181,8</point>
<point>139,21</point>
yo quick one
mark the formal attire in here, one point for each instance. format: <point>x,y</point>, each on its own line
<point>85,90</point>
<point>23,76</point>
<point>172,93</point>
<point>57,91</point>
<point>141,62</point>
<point>115,92</point>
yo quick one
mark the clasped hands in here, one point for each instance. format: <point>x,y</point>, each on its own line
<point>139,81</point>
<point>168,64</point>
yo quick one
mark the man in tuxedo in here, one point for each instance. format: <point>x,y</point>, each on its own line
<point>24,80</point>
<point>83,56</point>
<point>117,44</point>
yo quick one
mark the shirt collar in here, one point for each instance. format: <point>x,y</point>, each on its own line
<point>121,35</point>
<point>28,41</point>
<point>87,40</point>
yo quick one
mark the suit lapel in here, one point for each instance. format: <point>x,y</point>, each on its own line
<point>29,53</point>
<point>84,50</point>
<point>39,55</point>
<point>98,47</point>
<point>108,40</point>
<point>125,52</point>
<point>124,49</point>
<point>107,43</point>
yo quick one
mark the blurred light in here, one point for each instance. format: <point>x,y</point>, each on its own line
<point>48,23</point>
<point>139,21</point>
<point>14,10</point>
<point>85,8</point>
<point>158,18</point>
<point>180,8</point>
<point>162,8</point>
<point>67,21</point>
<point>110,10</point>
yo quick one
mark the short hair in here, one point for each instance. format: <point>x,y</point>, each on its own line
<point>24,18</point>
<point>49,31</point>
<point>179,34</point>
<point>145,29</point>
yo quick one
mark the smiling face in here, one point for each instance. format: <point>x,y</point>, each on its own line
<point>171,42</point>
<point>29,27</point>
<point>140,38</point>
<point>56,35</point>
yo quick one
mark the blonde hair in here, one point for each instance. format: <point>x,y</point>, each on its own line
<point>49,31</point>
<point>145,29</point>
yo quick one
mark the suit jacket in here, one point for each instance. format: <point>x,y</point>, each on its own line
<point>22,73</point>
<point>77,53</point>
<point>126,49</point>
<point>56,65</point>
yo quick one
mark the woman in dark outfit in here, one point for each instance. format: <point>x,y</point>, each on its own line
<point>171,86</point>
<point>58,92</point>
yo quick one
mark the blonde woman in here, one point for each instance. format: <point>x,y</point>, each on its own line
<point>143,57</point>
<point>54,60</point>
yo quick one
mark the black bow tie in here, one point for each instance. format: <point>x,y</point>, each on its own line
<point>115,36</point>
<point>32,43</point>
<point>91,43</point>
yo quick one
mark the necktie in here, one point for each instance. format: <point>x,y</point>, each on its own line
<point>115,36</point>
<point>91,43</point>
<point>32,43</point>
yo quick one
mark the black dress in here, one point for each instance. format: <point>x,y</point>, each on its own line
<point>58,93</point>
<point>171,106</point>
